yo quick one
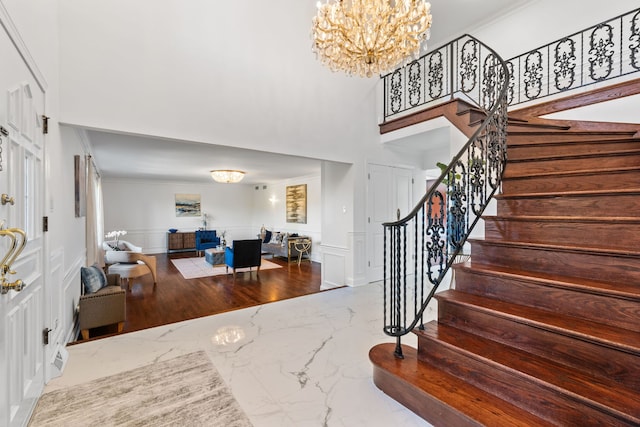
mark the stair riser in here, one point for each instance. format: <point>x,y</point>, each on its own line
<point>530,152</point>
<point>606,181</point>
<point>534,137</point>
<point>514,387</point>
<point>611,235</point>
<point>621,312</point>
<point>537,167</point>
<point>575,264</point>
<point>625,205</point>
<point>582,355</point>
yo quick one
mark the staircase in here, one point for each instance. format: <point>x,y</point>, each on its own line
<point>543,326</point>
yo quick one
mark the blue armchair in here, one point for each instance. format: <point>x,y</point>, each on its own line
<point>206,239</point>
<point>244,253</point>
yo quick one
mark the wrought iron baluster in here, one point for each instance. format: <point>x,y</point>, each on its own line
<point>447,216</point>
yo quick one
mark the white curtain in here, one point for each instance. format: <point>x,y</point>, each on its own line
<point>95,218</point>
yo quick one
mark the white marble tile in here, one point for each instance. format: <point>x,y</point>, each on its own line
<point>298,362</point>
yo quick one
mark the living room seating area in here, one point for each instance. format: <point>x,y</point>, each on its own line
<point>284,245</point>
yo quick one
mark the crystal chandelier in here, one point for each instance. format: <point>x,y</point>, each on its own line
<point>227,176</point>
<point>367,37</point>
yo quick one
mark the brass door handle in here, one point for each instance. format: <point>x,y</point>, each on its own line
<point>6,199</point>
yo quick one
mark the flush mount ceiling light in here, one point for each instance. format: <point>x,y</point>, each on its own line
<point>367,37</point>
<point>227,176</point>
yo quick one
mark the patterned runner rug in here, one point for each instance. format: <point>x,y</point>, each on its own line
<point>193,268</point>
<point>185,391</point>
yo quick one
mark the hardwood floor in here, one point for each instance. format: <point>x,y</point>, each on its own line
<point>176,299</point>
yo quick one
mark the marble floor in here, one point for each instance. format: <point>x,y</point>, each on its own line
<point>299,362</point>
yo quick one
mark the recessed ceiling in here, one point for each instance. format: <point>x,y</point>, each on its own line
<point>139,157</point>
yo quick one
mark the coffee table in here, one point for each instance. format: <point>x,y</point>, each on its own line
<point>214,256</point>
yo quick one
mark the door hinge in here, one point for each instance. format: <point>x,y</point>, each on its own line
<point>45,223</point>
<point>45,124</point>
<point>413,181</point>
<point>368,176</point>
<point>369,219</point>
<point>45,336</point>
<point>369,263</point>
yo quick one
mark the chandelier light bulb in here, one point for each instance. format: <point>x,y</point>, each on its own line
<point>368,37</point>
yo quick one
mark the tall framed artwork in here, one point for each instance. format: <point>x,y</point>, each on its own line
<point>80,185</point>
<point>187,205</point>
<point>297,203</point>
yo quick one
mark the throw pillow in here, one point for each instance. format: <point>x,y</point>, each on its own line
<point>267,236</point>
<point>93,279</point>
<point>275,239</point>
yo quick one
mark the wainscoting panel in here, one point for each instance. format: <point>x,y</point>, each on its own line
<point>71,297</point>
<point>333,267</point>
<point>357,274</point>
<point>55,311</point>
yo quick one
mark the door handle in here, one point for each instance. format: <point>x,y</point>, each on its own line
<point>4,199</point>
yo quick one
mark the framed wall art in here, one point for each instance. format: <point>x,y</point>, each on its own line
<point>297,203</point>
<point>187,205</point>
<point>80,186</point>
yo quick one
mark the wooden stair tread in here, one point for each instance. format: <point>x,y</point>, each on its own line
<point>601,392</point>
<point>547,143</point>
<point>599,333</point>
<point>620,133</point>
<point>536,126</point>
<point>556,218</point>
<point>608,153</point>
<point>563,248</point>
<point>622,290</point>
<point>507,175</point>
<point>472,402</point>
<point>555,194</point>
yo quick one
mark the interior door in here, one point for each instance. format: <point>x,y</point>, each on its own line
<point>22,313</point>
<point>389,197</point>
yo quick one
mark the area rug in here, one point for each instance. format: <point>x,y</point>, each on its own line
<point>185,391</point>
<point>193,268</point>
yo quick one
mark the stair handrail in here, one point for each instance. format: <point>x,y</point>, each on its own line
<point>469,181</point>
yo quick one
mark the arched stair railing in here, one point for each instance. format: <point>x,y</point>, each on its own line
<point>420,248</point>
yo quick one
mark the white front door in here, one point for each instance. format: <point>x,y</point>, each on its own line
<point>22,314</point>
<point>389,197</point>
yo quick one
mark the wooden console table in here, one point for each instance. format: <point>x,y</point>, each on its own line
<point>181,241</point>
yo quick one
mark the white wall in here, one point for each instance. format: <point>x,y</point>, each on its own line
<point>269,209</point>
<point>146,210</point>
<point>209,72</point>
<point>544,21</point>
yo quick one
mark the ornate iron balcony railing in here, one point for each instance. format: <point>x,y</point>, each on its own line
<point>602,52</point>
<point>419,249</point>
<point>605,51</point>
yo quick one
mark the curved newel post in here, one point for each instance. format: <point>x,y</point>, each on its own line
<point>438,227</point>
